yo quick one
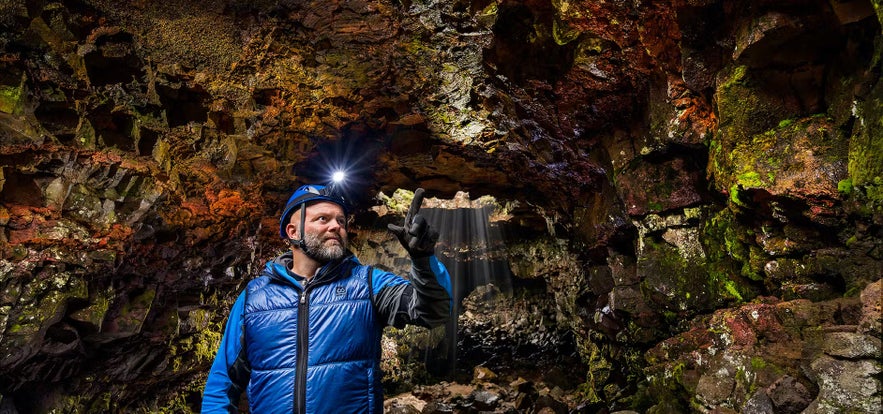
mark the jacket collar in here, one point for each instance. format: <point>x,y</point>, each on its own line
<point>280,269</point>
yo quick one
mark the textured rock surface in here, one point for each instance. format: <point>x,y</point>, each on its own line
<point>792,356</point>
<point>687,206</point>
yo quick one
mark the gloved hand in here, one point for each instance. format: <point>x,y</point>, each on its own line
<point>417,236</point>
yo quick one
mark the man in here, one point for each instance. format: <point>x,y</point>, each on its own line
<point>304,337</point>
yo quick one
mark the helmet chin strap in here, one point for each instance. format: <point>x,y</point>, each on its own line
<point>301,243</point>
<point>298,243</point>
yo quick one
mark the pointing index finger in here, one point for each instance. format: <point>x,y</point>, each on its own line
<point>415,206</point>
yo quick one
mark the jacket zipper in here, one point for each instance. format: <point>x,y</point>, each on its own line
<point>303,333</point>
<point>300,383</point>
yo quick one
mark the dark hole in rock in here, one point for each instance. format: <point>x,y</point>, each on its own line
<point>183,105</point>
<point>147,141</point>
<point>57,117</point>
<point>410,140</point>
<point>61,338</point>
<point>113,61</point>
<point>519,54</point>
<point>114,130</point>
<point>386,113</point>
<point>21,189</point>
<point>223,121</point>
<point>266,97</point>
<point>66,139</point>
<point>9,75</point>
<point>62,333</point>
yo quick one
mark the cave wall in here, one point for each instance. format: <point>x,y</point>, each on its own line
<point>666,163</point>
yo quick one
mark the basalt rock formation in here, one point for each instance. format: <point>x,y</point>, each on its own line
<point>651,206</point>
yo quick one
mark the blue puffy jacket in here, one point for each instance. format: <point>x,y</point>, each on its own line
<point>315,348</point>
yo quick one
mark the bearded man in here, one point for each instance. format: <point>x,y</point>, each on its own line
<point>304,336</point>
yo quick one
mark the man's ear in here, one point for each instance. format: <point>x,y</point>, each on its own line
<point>291,231</point>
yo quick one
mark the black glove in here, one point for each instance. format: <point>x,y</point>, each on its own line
<point>417,236</point>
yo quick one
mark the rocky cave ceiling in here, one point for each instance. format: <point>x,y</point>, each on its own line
<point>148,147</point>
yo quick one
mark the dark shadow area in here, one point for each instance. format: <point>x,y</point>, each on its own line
<point>355,154</point>
<point>113,128</point>
<point>183,105</point>
<point>113,61</point>
<point>521,53</point>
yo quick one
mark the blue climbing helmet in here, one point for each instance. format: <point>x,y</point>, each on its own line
<point>310,193</point>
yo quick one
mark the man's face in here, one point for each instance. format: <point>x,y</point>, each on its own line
<point>325,231</point>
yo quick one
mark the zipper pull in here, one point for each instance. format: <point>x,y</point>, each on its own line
<point>303,292</point>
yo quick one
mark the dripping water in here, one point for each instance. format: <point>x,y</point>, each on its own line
<point>472,248</point>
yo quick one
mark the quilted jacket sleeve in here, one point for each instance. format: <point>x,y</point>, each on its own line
<point>424,299</point>
<point>230,371</point>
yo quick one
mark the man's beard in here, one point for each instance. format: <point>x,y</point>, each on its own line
<point>316,248</point>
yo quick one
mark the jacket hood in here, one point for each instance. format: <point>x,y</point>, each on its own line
<point>279,268</point>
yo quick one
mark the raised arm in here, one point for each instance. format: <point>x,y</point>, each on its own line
<point>426,298</point>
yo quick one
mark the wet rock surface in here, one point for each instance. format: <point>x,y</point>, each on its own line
<point>686,206</point>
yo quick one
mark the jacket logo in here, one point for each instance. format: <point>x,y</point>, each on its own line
<point>339,291</point>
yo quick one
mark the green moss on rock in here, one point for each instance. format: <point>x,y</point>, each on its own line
<point>10,99</point>
<point>866,148</point>
<point>132,314</point>
<point>399,201</point>
<point>704,268</point>
<point>599,372</point>
<point>878,7</point>
<point>12,95</point>
<point>676,282</point>
<point>760,145</point>
<point>96,311</point>
<point>845,186</point>
<point>797,157</point>
<point>26,325</point>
